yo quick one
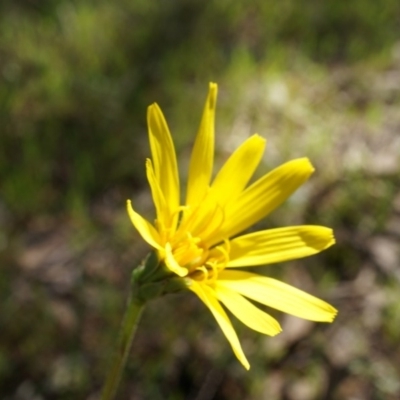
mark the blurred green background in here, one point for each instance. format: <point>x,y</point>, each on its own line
<point>317,79</point>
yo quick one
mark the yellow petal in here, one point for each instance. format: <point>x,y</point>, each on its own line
<point>263,196</point>
<point>208,297</point>
<point>203,219</point>
<point>240,165</point>
<point>247,312</point>
<point>172,264</point>
<point>156,193</point>
<point>201,162</point>
<point>164,160</point>
<point>278,295</point>
<point>146,230</point>
<point>277,245</point>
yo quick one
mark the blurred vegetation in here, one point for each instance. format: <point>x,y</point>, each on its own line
<point>318,79</point>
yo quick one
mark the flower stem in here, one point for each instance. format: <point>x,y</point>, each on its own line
<point>127,333</point>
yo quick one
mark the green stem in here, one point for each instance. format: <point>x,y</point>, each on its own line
<point>127,333</point>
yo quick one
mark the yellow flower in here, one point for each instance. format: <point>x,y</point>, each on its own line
<point>197,240</point>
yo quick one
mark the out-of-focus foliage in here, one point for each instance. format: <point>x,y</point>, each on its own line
<point>76,76</point>
<point>317,79</point>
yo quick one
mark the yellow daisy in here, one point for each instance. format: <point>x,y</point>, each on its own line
<point>198,240</point>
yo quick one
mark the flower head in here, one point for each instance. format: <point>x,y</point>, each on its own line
<point>198,241</point>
